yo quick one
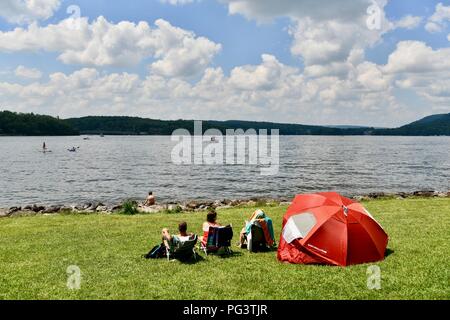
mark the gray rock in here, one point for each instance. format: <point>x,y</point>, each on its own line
<point>234,203</point>
<point>217,204</point>
<point>376,195</point>
<point>102,209</point>
<point>14,210</point>
<point>172,207</point>
<point>37,208</point>
<point>86,206</point>
<point>95,205</point>
<point>424,193</point>
<point>152,209</point>
<point>66,209</point>
<point>23,213</point>
<point>116,208</point>
<point>4,213</point>
<point>192,205</point>
<point>51,210</point>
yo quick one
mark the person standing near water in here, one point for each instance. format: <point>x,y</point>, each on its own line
<point>44,147</point>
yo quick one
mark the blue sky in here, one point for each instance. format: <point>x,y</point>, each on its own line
<point>290,85</point>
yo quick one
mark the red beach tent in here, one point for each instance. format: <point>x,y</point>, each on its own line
<point>327,228</point>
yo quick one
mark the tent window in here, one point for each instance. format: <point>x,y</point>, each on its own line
<point>299,226</point>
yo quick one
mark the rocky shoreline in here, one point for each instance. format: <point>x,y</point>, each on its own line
<point>193,206</point>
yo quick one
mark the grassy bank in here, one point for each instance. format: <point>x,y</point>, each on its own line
<point>36,251</point>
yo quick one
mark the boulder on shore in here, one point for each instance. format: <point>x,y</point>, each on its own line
<point>4,213</point>
<point>51,210</point>
<point>151,209</point>
<point>425,193</point>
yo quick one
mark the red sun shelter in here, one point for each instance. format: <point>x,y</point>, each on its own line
<point>327,228</point>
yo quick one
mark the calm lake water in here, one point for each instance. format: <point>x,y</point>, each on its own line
<point>112,169</point>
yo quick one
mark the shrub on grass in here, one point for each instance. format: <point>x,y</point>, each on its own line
<point>175,210</point>
<point>129,208</point>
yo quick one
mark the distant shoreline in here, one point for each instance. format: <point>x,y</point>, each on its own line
<point>169,135</point>
<point>195,205</point>
<point>20,124</point>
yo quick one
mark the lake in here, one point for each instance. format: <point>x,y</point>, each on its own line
<point>114,168</point>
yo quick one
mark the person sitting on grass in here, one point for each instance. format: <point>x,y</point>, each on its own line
<point>263,221</point>
<point>211,221</point>
<point>170,240</point>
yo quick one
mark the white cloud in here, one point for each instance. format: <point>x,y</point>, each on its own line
<point>319,10</point>
<point>438,21</point>
<point>177,52</point>
<point>177,2</point>
<point>335,84</point>
<point>417,57</point>
<point>269,90</point>
<point>25,11</point>
<point>266,76</point>
<point>327,42</point>
<point>408,22</point>
<point>417,67</point>
<point>29,73</point>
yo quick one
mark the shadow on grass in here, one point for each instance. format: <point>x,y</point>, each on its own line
<point>191,260</point>
<point>232,254</point>
<point>388,252</point>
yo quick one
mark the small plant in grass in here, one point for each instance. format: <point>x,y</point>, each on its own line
<point>129,208</point>
<point>175,210</point>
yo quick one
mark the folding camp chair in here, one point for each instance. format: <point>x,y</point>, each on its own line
<point>256,241</point>
<point>218,238</point>
<point>182,249</point>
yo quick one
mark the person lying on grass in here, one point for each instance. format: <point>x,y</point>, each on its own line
<point>211,221</point>
<point>169,240</point>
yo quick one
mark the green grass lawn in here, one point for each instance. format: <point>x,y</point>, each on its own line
<point>36,251</point>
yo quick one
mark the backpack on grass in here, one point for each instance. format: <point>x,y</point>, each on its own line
<point>158,252</point>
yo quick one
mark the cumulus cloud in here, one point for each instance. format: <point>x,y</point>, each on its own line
<point>264,10</point>
<point>417,57</point>
<point>438,21</point>
<point>25,11</point>
<point>268,90</point>
<point>29,73</point>
<point>327,35</point>
<point>334,85</point>
<point>266,76</point>
<point>408,22</point>
<point>180,52</point>
<point>423,70</point>
<point>101,43</point>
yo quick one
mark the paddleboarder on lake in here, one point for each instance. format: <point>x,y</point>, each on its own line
<point>44,147</point>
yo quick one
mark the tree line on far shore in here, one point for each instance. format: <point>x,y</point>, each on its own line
<point>29,124</point>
